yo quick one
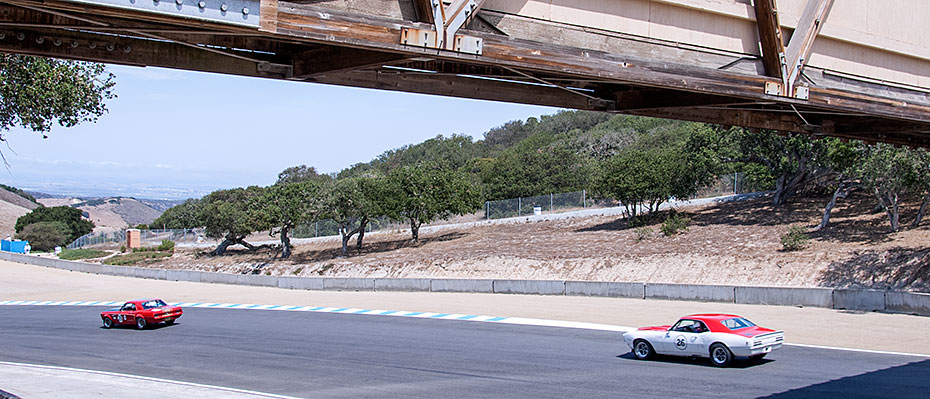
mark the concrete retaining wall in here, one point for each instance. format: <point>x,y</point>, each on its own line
<point>837,298</point>
<point>530,287</point>
<point>858,299</point>
<point>706,293</point>
<point>461,285</point>
<point>819,297</point>
<point>907,302</point>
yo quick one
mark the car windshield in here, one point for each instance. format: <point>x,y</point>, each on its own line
<point>737,323</point>
<point>153,304</point>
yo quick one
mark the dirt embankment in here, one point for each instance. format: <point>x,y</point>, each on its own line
<point>730,243</point>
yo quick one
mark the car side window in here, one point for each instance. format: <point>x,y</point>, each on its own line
<point>693,326</point>
<point>129,307</point>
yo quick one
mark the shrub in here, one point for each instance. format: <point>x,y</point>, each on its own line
<point>643,232</point>
<point>122,248</point>
<point>82,253</point>
<point>795,239</point>
<point>44,236</point>
<point>675,224</point>
<point>142,226</point>
<point>136,257</point>
<point>75,225</point>
<point>166,246</point>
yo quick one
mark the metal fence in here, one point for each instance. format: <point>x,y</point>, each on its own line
<point>533,205</point>
<point>148,237</point>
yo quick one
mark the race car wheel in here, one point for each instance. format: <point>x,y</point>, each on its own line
<point>107,322</point>
<point>720,355</point>
<point>140,323</point>
<point>642,350</point>
<point>169,322</point>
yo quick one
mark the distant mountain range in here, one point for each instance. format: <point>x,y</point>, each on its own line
<point>107,213</point>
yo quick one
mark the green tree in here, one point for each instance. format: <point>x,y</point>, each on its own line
<point>422,194</point>
<point>234,214</point>
<point>890,173</point>
<point>352,203</point>
<point>643,179</point>
<point>288,204</point>
<point>70,217</point>
<point>296,174</point>
<point>541,164</point>
<point>45,236</point>
<point>39,92</point>
<point>186,215</point>
<point>791,160</point>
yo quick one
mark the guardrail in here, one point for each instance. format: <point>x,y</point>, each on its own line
<point>834,298</point>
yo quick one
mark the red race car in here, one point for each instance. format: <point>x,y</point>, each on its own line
<point>141,313</point>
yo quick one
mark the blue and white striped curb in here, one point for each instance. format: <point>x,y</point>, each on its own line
<point>356,311</point>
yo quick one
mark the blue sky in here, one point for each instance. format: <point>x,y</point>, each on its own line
<point>176,134</point>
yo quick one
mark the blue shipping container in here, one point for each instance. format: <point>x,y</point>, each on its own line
<point>13,246</point>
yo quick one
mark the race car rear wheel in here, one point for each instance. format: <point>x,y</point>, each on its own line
<point>720,355</point>
<point>140,323</point>
<point>642,349</point>
<point>107,322</point>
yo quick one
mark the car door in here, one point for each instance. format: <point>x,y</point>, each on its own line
<point>129,313</point>
<point>686,338</point>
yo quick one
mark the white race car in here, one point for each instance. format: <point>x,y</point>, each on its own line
<point>721,337</point>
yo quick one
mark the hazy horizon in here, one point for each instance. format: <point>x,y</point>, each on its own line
<point>175,134</point>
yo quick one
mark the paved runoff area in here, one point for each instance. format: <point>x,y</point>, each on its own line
<point>811,329</point>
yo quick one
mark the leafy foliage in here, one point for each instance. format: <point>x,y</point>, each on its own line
<point>39,92</point>
<point>187,215</point>
<point>75,225</point>
<point>795,239</point>
<point>296,174</point>
<point>44,236</point>
<point>234,214</point>
<point>286,205</point>
<point>422,194</point>
<point>674,224</point>
<point>81,253</point>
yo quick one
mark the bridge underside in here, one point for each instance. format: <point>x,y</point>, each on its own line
<point>328,42</point>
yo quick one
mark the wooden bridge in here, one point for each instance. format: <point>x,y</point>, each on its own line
<point>853,69</point>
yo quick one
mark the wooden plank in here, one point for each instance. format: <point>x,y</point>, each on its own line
<point>381,34</point>
<point>770,38</point>
<point>424,10</point>
<point>628,100</point>
<point>268,16</point>
<point>337,59</point>
<point>802,40</point>
<point>126,51</point>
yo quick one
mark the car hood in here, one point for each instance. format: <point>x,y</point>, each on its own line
<point>655,328</point>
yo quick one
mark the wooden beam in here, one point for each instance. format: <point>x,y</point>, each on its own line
<point>770,38</point>
<point>424,10</point>
<point>338,59</point>
<point>629,100</point>
<point>802,40</point>
<point>381,34</point>
<point>457,86</point>
<point>132,51</point>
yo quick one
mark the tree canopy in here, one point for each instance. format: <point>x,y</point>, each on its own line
<point>70,218</point>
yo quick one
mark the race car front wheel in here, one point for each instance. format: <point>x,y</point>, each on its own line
<point>642,350</point>
<point>107,322</point>
<point>140,323</point>
<point>720,355</point>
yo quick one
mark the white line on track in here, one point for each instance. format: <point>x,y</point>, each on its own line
<point>423,315</point>
<point>152,379</point>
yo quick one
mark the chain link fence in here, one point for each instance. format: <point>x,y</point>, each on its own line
<point>524,206</point>
<point>147,237</point>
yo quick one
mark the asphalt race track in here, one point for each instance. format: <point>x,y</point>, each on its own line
<point>337,355</point>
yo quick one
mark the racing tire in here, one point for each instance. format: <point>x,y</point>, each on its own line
<point>757,358</point>
<point>720,355</point>
<point>107,322</point>
<point>141,323</point>
<point>642,350</point>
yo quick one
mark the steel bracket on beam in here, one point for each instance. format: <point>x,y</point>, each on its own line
<point>447,20</point>
<point>237,12</point>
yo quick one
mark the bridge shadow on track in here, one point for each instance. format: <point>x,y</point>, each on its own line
<point>905,381</point>
<point>738,363</point>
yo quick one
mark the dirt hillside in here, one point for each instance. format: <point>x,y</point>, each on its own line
<point>729,243</point>
<point>109,214</point>
<point>8,215</point>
